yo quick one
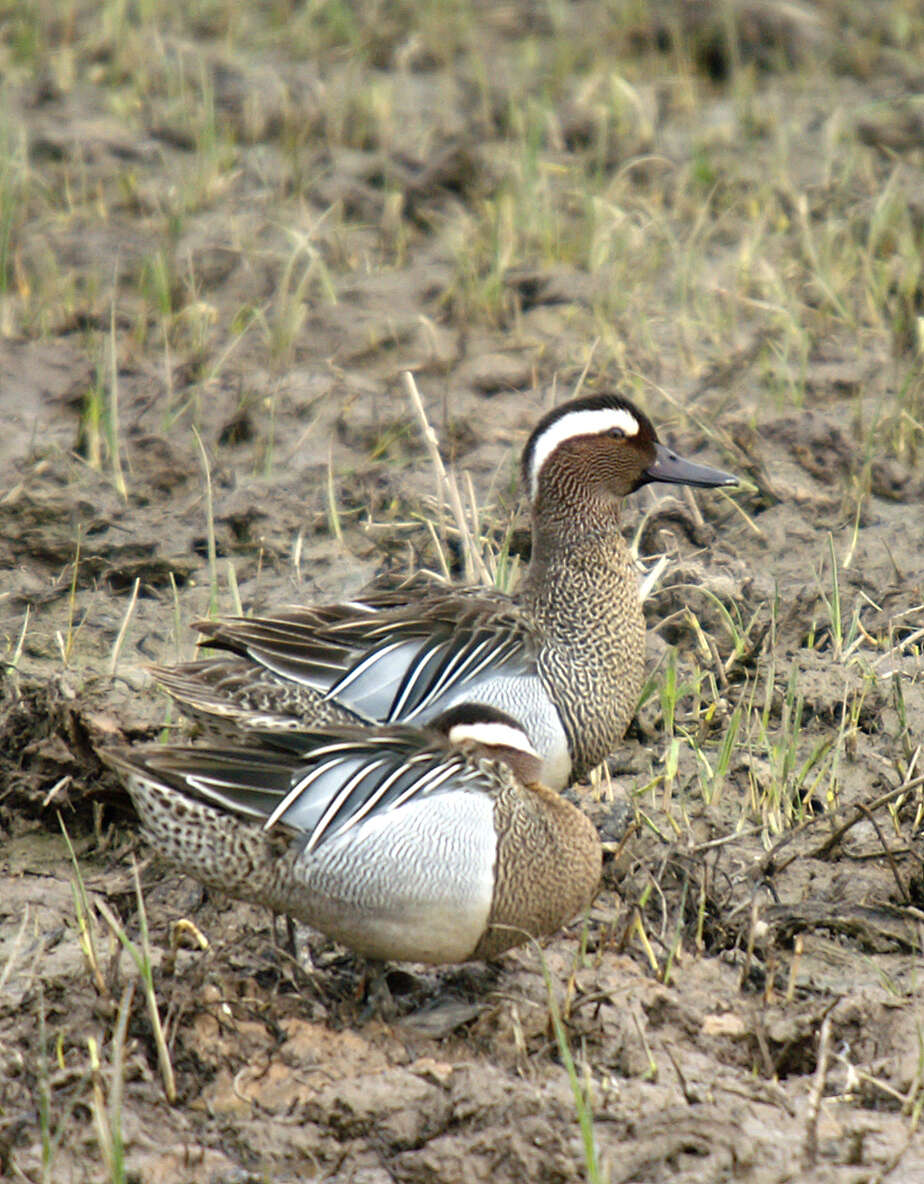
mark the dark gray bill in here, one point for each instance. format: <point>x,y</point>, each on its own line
<point>670,467</point>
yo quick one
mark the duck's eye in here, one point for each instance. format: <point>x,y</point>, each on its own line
<point>616,434</point>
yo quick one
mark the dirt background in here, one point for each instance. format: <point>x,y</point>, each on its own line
<point>237,225</point>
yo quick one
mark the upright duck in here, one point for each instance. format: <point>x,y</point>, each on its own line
<point>563,656</point>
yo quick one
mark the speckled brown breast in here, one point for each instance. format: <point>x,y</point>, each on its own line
<point>587,607</point>
<point>548,867</point>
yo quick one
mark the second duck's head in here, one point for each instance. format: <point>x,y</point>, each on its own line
<point>599,448</point>
<point>486,733</point>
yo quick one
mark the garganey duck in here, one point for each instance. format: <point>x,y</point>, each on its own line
<point>434,844</point>
<point>564,655</point>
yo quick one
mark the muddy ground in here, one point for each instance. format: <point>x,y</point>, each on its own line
<point>248,221</point>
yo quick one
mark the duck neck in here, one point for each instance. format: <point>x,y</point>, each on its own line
<point>582,592</point>
<point>580,563</point>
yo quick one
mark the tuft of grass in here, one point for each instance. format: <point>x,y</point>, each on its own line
<point>234,591</point>
<point>333,513</point>
<point>473,560</point>
<point>580,1090</point>
<point>100,411</point>
<point>12,666</point>
<point>144,962</point>
<point>209,527</point>
<point>44,1090</point>
<point>107,1113</point>
<point>304,270</point>
<point>717,776</point>
<point>85,926</point>
<point>52,1137</point>
<point>67,641</point>
<point>13,202</point>
<point>112,409</point>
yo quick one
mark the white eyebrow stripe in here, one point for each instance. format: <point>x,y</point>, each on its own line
<point>492,735</point>
<point>577,423</point>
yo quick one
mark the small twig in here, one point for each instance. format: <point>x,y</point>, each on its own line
<point>636,925</point>
<point>904,644</point>
<point>752,937</point>
<point>882,800</point>
<point>60,784</point>
<point>13,664</point>
<point>652,1063</point>
<point>810,1146</point>
<point>717,664</point>
<point>691,1095</point>
<point>725,839</point>
<point>209,526</point>
<point>693,506</point>
<point>651,578</point>
<point>616,849</point>
<point>902,891</point>
<point>440,552</point>
<point>449,490</point>
<point>760,1034</point>
<point>14,951</point>
<point>917,1098</point>
<point>586,370</point>
<point>770,859</point>
<point>123,628</point>
<point>797,947</point>
<point>118,477</point>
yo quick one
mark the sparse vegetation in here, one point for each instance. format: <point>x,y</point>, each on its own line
<point>225,232</point>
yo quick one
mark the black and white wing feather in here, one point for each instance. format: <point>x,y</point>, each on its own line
<point>337,781</point>
<point>381,659</point>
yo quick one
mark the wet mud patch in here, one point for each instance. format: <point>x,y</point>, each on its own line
<point>248,223</point>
